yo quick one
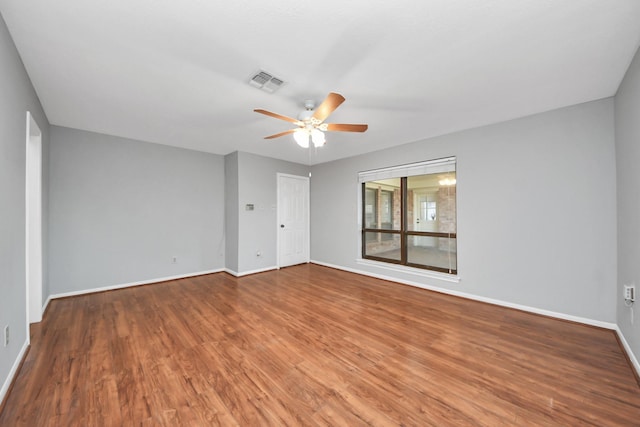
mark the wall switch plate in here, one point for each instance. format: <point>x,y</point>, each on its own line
<point>5,339</point>
<point>629,293</point>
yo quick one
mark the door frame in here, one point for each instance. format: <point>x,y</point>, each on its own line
<point>33,222</point>
<point>279,214</point>
<point>426,192</point>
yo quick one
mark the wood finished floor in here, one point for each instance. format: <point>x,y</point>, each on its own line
<point>309,345</point>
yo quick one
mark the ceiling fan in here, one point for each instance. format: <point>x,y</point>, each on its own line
<point>310,122</point>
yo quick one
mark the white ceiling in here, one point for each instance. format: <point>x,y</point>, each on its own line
<point>176,72</point>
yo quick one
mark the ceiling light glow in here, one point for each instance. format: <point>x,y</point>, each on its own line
<point>317,136</point>
<point>447,181</point>
<point>302,137</point>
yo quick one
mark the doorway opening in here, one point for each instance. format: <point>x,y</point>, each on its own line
<point>33,221</point>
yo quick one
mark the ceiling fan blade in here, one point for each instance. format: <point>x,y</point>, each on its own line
<point>341,127</point>
<point>278,116</point>
<point>331,102</point>
<point>277,135</point>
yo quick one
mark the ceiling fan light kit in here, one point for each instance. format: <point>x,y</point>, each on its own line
<point>301,136</point>
<point>317,136</point>
<point>310,122</point>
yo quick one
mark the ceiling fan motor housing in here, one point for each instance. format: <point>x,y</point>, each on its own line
<point>306,114</point>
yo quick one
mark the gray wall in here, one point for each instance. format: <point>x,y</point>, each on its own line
<point>121,209</point>
<point>627,109</point>
<point>18,97</point>
<point>536,207</point>
<point>536,210</point>
<point>257,178</point>
<point>231,210</point>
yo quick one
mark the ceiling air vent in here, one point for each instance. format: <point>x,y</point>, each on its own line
<point>265,81</point>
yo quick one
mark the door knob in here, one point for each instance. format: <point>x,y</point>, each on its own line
<point>281,225</point>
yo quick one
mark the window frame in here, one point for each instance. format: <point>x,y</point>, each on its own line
<point>404,232</point>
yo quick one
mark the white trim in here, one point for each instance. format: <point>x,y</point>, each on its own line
<point>606,325</point>
<point>130,285</point>
<point>632,357</point>
<point>13,372</point>
<point>555,314</point>
<point>410,270</point>
<point>447,164</point>
<point>46,304</point>
<point>33,221</point>
<point>231,272</point>
<point>246,273</point>
<point>444,165</point>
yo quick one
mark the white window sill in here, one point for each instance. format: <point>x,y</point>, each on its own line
<point>410,270</point>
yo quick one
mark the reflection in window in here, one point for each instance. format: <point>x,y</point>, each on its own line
<point>370,211</point>
<point>386,209</point>
<point>411,220</point>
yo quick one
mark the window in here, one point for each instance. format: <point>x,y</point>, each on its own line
<point>409,215</point>
<point>386,209</point>
<point>370,208</point>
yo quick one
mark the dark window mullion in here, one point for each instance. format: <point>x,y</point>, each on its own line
<point>430,247</point>
<point>381,230</point>
<point>403,220</point>
<point>387,260</point>
<point>432,234</point>
<point>433,268</point>
<point>363,196</point>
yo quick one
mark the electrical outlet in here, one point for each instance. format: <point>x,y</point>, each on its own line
<point>629,293</point>
<point>6,336</point>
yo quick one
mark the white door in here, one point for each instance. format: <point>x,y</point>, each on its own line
<point>293,220</point>
<point>425,217</point>
<point>33,221</point>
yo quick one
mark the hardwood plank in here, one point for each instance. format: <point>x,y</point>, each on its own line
<point>310,345</point>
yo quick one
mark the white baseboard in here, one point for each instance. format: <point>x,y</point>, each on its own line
<point>13,372</point>
<point>627,348</point>
<point>46,304</point>
<point>132,284</point>
<point>591,322</point>
<point>231,272</point>
<point>557,315</point>
<point>246,273</point>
